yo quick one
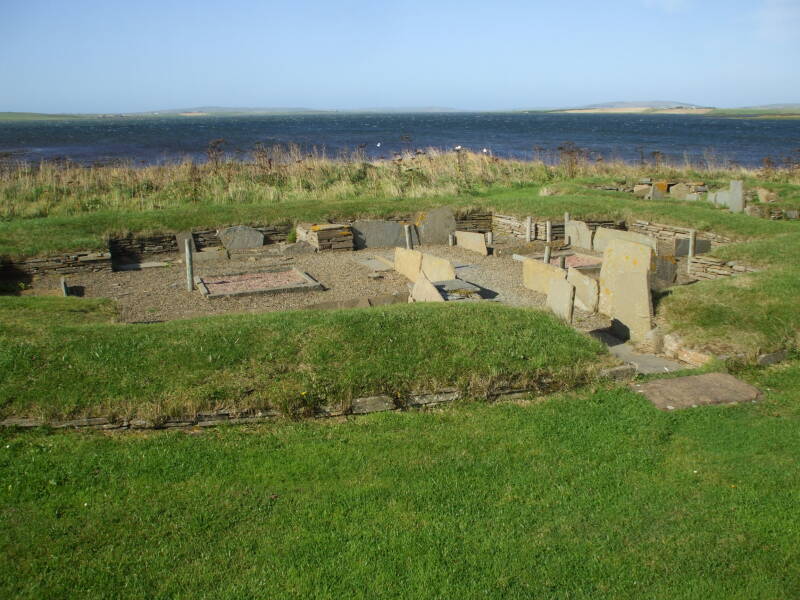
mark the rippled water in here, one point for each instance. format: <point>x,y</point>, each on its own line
<point>629,137</point>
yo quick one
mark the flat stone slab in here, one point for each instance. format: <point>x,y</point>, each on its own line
<point>143,265</point>
<point>643,364</point>
<point>697,390</point>
<point>269,281</point>
<point>537,276</point>
<point>470,240</point>
<point>373,263</point>
<point>437,269</point>
<point>425,291</point>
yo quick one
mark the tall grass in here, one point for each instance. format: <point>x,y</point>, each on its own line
<point>279,174</point>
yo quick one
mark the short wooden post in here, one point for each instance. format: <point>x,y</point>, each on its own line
<point>692,244</point>
<point>451,239</point>
<point>528,229</point>
<point>548,232</point>
<point>547,254</point>
<point>407,229</point>
<point>562,262</point>
<point>187,253</point>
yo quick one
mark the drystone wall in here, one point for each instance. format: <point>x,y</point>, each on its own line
<point>133,248</point>
<point>65,264</point>
<point>479,222</point>
<point>704,267</point>
<point>515,227</point>
<point>670,232</point>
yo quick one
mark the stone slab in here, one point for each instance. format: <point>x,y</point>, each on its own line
<point>736,196</point>
<point>408,263</point>
<point>697,390</point>
<point>381,234</point>
<point>64,287</point>
<point>586,290</point>
<point>372,404</point>
<point>470,240</point>
<point>210,255</point>
<point>632,312</point>
<point>435,226</point>
<point>620,257</point>
<point>579,233</point>
<point>153,264</point>
<point>666,269</point>
<point>300,248</point>
<point>644,364</point>
<point>537,275</point>
<point>437,269</point>
<point>181,238</point>
<point>373,263</point>
<point>425,291</point>
<point>560,298</point>
<point>603,237</point>
<point>682,246</point>
<point>241,237</point>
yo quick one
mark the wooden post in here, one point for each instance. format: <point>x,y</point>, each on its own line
<point>548,232</point>
<point>528,229</point>
<point>692,244</point>
<point>407,228</point>
<point>547,254</point>
<point>187,253</point>
<point>562,262</point>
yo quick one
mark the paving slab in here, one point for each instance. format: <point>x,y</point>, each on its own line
<point>645,364</point>
<point>373,263</point>
<point>697,390</point>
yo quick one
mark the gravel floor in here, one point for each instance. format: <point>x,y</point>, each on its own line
<point>159,294</point>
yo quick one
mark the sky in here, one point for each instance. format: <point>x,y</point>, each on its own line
<point>110,56</point>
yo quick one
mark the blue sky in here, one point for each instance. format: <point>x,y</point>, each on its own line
<point>110,56</point>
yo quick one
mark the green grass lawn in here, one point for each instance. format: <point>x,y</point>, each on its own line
<point>64,357</point>
<point>586,495</point>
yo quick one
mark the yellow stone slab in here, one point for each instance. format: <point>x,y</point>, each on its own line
<point>537,275</point>
<point>408,262</point>
<point>620,258</point>
<point>603,237</point>
<point>470,240</point>
<point>425,291</point>
<point>586,290</point>
<point>437,269</point>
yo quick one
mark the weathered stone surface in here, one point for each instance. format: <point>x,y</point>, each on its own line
<point>619,257</point>
<point>620,372</point>
<point>210,255</point>
<point>603,236</point>
<point>632,308</point>
<point>586,290</point>
<point>373,263</point>
<point>408,262</point>
<point>765,195</point>
<point>437,269</point>
<point>666,269</point>
<point>560,298</point>
<point>697,390</point>
<point>180,239</point>
<point>381,234</point>
<point>736,196</point>
<point>537,275</point>
<point>680,191</point>
<point>435,226</point>
<point>372,404</point>
<point>701,246</point>
<point>472,241</point>
<point>641,189</point>
<point>580,236</point>
<point>772,358</point>
<point>298,249</point>
<point>425,291</point>
<point>241,237</point>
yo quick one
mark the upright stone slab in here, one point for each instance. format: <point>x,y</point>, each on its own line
<point>603,237</point>
<point>538,276</point>
<point>241,237</point>
<point>620,257</point>
<point>435,226</point>
<point>723,198</point>
<point>680,191</point>
<point>437,269</point>
<point>580,236</point>
<point>586,290</point>
<point>560,298</point>
<point>736,196</point>
<point>472,241</point>
<point>666,269</point>
<point>408,262</point>
<point>701,246</point>
<point>632,312</point>
<point>380,234</point>
<point>181,238</point>
<point>425,291</point>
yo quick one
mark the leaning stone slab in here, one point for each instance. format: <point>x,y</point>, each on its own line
<point>619,257</point>
<point>603,237</point>
<point>470,240</point>
<point>437,269</point>
<point>408,262</point>
<point>697,390</point>
<point>580,236</point>
<point>632,312</point>
<point>241,237</point>
<point>435,226</point>
<point>538,276</point>
<point>425,291</point>
<point>560,298</point>
<point>586,290</point>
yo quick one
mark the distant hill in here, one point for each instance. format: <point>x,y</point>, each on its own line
<point>655,104</point>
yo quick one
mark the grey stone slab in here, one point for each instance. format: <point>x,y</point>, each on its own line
<point>298,249</point>
<point>373,264</point>
<point>736,195</point>
<point>579,233</point>
<point>560,299</point>
<point>241,237</point>
<point>435,226</point>
<point>700,246</point>
<point>645,364</point>
<point>666,269</point>
<point>697,390</point>
<point>181,238</point>
<point>372,404</point>
<point>381,234</point>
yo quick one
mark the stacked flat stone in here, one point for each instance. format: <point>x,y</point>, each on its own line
<point>326,236</point>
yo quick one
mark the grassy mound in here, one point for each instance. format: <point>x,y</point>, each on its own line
<point>64,357</point>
